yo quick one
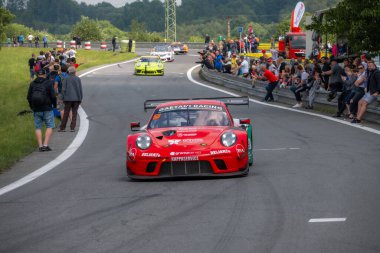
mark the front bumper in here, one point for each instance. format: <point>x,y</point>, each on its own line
<point>205,165</point>
<point>149,72</point>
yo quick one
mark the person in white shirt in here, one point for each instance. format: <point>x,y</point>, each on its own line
<point>244,67</point>
<point>30,40</point>
<point>71,53</point>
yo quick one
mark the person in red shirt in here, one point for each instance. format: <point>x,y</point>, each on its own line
<point>272,82</point>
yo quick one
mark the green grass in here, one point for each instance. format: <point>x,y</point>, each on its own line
<point>17,132</point>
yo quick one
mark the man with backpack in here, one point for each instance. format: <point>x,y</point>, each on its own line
<point>40,96</point>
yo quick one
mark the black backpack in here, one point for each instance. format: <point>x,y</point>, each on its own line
<point>39,95</point>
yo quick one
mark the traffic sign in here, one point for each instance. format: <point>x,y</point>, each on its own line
<point>240,29</point>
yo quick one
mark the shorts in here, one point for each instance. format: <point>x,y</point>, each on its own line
<point>369,98</point>
<point>32,73</point>
<point>41,117</point>
<point>60,104</point>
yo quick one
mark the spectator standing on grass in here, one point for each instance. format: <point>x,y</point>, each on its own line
<point>207,40</point>
<point>21,40</point>
<point>72,94</point>
<point>8,42</point>
<point>40,96</point>
<point>37,41</point>
<point>373,91</point>
<point>113,43</point>
<point>130,43</point>
<point>272,82</point>
<point>14,40</point>
<point>45,40</point>
<point>30,40</point>
<point>32,64</point>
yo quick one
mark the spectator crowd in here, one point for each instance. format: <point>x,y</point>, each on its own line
<point>55,92</point>
<point>355,83</point>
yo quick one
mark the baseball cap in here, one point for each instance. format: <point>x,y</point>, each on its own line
<point>263,51</point>
<point>270,60</point>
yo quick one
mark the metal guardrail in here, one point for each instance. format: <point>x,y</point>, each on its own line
<point>281,95</point>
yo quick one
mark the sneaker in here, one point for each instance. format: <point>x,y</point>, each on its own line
<point>309,107</point>
<point>46,148</point>
<point>41,149</point>
<point>356,121</point>
<point>61,130</point>
<point>270,100</point>
<point>72,130</point>
<point>337,115</point>
<point>297,106</point>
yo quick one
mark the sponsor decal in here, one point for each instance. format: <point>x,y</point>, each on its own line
<point>240,150</point>
<point>185,141</point>
<point>191,107</point>
<point>151,155</point>
<point>174,142</point>
<point>192,140</point>
<point>185,158</point>
<point>184,153</point>
<point>299,10</point>
<point>219,152</point>
<point>132,153</point>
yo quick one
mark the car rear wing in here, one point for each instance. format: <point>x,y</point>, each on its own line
<point>244,100</point>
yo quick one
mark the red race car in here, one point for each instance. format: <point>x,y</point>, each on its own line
<point>194,137</point>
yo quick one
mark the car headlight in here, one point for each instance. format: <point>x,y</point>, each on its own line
<point>228,139</point>
<point>143,142</point>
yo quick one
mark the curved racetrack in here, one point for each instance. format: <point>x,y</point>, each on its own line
<point>305,168</point>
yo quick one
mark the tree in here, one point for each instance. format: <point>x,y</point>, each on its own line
<point>16,5</point>
<point>87,29</point>
<point>6,18</point>
<point>357,21</point>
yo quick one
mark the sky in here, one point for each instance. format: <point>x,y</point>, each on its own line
<point>117,3</point>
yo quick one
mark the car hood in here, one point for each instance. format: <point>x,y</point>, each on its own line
<point>148,64</point>
<point>192,137</point>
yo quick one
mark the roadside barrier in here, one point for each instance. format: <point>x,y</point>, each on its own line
<point>87,45</point>
<point>103,45</point>
<point>59,44</point>
<point>73,43</point>
<point>282,95</point>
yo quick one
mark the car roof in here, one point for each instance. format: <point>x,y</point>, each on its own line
<point>149,56</point>
<point>191,102</point>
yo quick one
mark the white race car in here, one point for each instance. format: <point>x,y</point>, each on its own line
<point>165,52</point>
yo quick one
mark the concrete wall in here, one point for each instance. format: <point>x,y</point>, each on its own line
<point>283,95</point>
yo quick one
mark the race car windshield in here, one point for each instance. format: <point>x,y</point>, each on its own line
<point>161,49</point>
<point>188,117</point>
<point>149,59</point>
<point>298,42</point>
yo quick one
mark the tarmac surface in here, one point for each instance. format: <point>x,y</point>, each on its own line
<point>305,168</point>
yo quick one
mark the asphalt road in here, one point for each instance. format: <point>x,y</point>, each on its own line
<point>305,167</point>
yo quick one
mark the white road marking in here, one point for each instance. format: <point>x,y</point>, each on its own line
<point>368,129</point>
<point>327,220</point>
<point>69,151</point>
<point>274,149</point>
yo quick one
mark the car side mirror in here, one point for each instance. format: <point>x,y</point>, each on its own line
<point>245,121</point>
<point>135,126</point>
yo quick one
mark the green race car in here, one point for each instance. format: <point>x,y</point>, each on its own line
<point>149,66</point>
